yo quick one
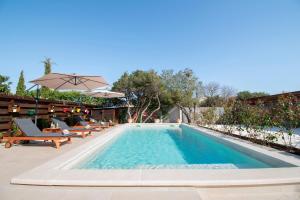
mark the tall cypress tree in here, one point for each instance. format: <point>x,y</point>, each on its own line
<point>21,88</point>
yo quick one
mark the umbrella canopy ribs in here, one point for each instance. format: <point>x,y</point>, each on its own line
<point>59,81</point>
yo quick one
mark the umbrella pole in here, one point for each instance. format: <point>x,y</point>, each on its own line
<point>36,100</point>
<point>80,104</point>
<point>36,104</point>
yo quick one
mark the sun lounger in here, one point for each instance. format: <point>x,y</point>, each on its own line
<point>82,123</point>
<point>31,132</point>
<point>106,124</point>
<point>64,127</point>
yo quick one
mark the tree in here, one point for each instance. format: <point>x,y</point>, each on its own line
<point>143,90</point>
<point>123,85</point>
<point>216,96</point>
<point>212,89</point>
<point>227,92</point>
<point>214,101</point>
<point>47,69</point>
<point>4,84</point>
<point>48,65</point>
<point>243,95</point>
<point>228,117</point>
<point>21,88</point>
<point>183,87</point>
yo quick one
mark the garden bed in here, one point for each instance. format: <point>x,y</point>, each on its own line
<point>274,145</point>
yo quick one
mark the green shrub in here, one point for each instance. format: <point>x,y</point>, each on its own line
<point>257,119</point>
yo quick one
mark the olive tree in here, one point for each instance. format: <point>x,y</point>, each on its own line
<point>143,90</point>
<point>184,89</point>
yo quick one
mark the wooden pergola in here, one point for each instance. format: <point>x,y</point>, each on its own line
<point>109,112</point>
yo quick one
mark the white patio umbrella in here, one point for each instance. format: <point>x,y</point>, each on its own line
<point>105,94</point>
<point>59,81</point>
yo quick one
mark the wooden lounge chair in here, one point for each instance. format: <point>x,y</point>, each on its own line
<point>63,126</point>
<point>82,123</point>
<point>31,132</point>
<point>105,124</point>
<point>92,126</point>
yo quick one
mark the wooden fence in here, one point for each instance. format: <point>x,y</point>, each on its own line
<point>16,106</point>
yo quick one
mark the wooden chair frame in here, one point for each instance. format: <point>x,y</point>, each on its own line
<point>56,140</point>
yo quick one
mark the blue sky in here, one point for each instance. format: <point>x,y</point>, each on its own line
<point>247,44</point>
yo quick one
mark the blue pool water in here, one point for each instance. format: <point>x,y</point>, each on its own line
<point>173,147</point>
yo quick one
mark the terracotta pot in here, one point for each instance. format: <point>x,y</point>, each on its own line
<point>130,120</point>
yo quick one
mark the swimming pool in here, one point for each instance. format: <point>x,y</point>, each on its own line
<point>174,147</point>
<point>168,155</point>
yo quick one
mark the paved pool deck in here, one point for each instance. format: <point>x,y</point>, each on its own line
<point>21,158</point>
